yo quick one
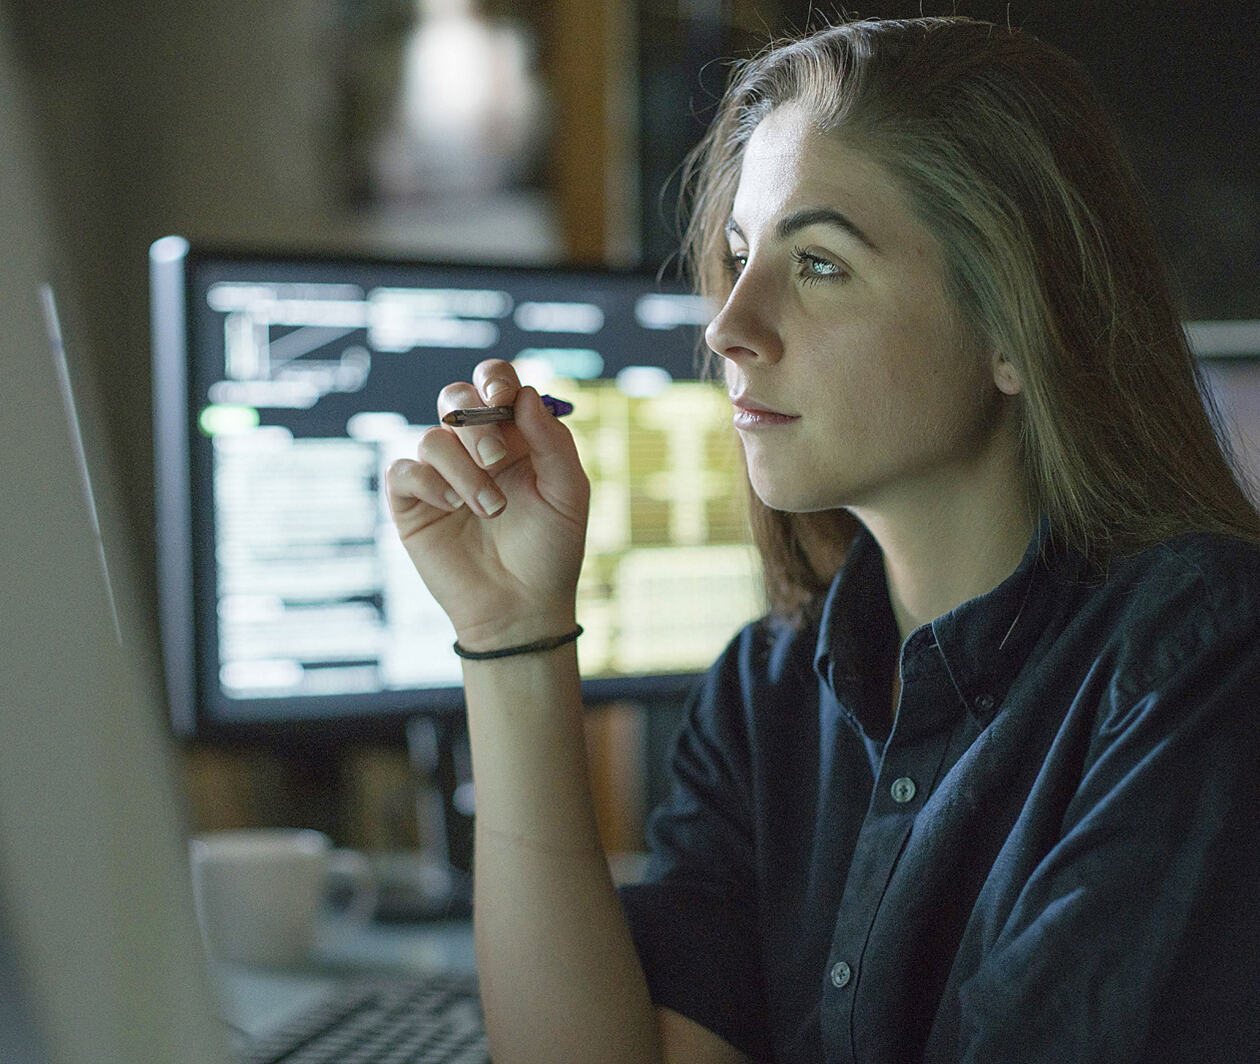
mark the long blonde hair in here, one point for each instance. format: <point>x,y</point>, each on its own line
<point>1006,156</point>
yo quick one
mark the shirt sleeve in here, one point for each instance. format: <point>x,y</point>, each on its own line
<point>1137,938</point>
<point>694,917</point>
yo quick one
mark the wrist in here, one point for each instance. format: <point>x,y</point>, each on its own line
<point>476,640</point>
<point>534,646</point>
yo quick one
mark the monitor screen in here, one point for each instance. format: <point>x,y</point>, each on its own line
<point>285,384</point>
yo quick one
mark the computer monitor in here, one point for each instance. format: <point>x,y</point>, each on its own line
<point>100,960</point>
<point>285,383</point>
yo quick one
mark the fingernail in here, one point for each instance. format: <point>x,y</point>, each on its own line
<point>490,449</point>
<point>453,499</point>
<point>490,500</point>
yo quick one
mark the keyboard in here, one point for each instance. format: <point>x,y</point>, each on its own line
<point>432,1019</point>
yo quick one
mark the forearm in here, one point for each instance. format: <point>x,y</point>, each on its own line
<point>560,976</point>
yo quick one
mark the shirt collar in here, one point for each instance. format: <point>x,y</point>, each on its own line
<point>986,640</point>
<point>982,643</point>
<point>857,636</point>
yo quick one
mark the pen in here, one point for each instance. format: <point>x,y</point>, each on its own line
<point>488,415</point>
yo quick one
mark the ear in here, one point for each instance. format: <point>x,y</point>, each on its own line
<point>1005,376</point>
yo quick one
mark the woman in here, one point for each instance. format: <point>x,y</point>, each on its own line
<point>982,784</point>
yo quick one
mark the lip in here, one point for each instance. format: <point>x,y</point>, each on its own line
<point>750,414</point>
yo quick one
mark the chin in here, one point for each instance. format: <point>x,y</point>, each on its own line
<point>793,498</point>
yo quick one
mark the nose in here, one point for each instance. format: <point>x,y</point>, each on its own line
<point>744,329</point>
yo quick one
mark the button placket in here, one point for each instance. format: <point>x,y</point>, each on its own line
<point>907,770</point>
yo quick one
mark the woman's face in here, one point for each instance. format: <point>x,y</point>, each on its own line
<point>852,384</point>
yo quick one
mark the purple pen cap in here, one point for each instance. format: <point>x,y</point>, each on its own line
<point>559,407</point>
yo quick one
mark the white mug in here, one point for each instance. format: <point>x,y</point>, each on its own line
<point>259,891</point>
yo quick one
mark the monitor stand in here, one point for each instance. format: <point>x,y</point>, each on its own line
<point>435,884</point>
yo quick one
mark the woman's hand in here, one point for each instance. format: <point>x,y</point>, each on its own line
<point>494,516</point>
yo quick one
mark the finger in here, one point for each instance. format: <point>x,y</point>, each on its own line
<point>486,443</point>
<point>457,396</point>
<point>496,382</point>
<point>445,452</point>
<point>410,484</point>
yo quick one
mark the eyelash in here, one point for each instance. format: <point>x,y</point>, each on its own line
<point>805,261</point>
<point>734,264</point>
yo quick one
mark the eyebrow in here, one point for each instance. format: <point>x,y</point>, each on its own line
<point>808,216</point>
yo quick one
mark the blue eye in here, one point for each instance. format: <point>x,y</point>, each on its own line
<point>814,269</point>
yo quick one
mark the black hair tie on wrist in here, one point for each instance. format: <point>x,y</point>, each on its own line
<point>524,648</point>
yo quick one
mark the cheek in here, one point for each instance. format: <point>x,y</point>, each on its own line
<point>869,378</point>
<point>942,379</point>
<point>956,402</point>
<point>911,394</point>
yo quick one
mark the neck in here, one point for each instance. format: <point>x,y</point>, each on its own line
<point>947,547</point>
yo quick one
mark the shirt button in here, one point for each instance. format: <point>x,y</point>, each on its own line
<point>902,789</point>
<point>840,975</point>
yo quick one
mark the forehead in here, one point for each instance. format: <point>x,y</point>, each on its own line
<point>790,164</point>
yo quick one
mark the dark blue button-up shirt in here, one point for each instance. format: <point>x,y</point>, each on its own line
<point>1050,853</point>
